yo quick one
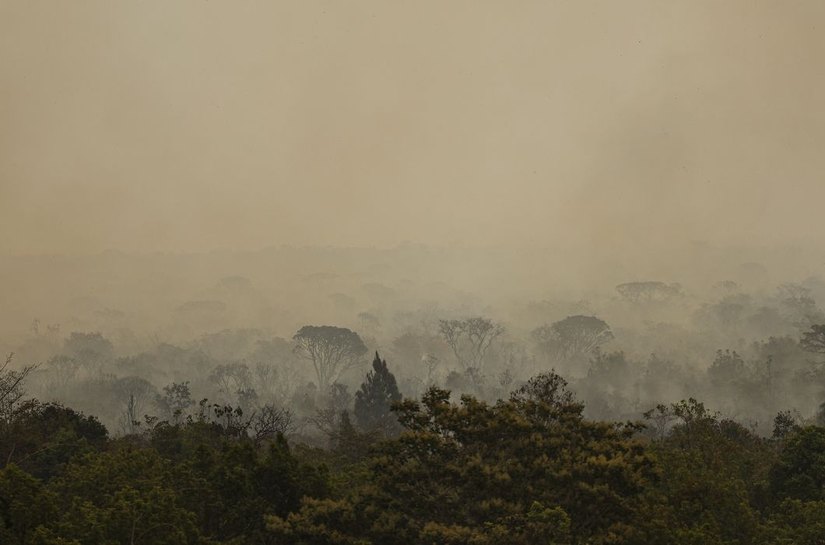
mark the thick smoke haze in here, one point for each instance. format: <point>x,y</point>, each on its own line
<point>371,271</point>
<point>618,128</point>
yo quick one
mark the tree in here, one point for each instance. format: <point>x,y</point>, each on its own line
<point>25,505</point>
<point>349,444</point>
<point>134,393</point>
<point>419,350</point>
<point>470,339</point>
<point>92,350</point>
<point>430,363</point>
<point>797,522</point>
<point>231,379</point>
<point>728,368</point>
<point>332,351</point>
<point>42,438</point>
<point>813,340</point>
<point>175,401</point>
<point>125,496</point>
<point>524,471</point>
<point>800,471</point>
<point>784,424</point>
<point>799,306</point>
<point>710,472</point>
<point>574,336</point>
<point>548,389</point>
<point>374,400</point>
<point>11,387</point>
<point>661,416</point>
<point>273,382</point>
<point>335,401</point>
<point>269,422</point>
<point>611,369</point>
<point>61,370</point>
<point>274,369</point>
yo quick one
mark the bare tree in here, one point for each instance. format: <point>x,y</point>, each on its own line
<point>137,393</point>
<point>270,421</point>
<point>130,416</point>
<point>11,386</point>
<point>274,382</point>
<point>661,416</point>
<point>337,400</point>
<point>430,363</point>
<point>470,339</point>
<point>332,351</point>
<point>61,370</point>
<point>231,379</point>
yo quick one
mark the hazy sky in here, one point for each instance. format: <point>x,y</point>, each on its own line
<point>193,125</point>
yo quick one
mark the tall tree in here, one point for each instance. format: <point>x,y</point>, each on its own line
<point>470,339</point>
<point>573,336</point>
<point>373,401</point>
<point>332,351</point>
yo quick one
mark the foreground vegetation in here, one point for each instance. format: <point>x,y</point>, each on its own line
<point>530,469</point>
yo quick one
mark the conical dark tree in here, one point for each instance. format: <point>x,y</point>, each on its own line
<point>373,401</point>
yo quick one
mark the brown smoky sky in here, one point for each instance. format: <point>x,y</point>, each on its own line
<point>193,125</point>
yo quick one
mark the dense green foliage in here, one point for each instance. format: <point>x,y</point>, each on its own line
<point>64,481</point>
<point>527,470</point>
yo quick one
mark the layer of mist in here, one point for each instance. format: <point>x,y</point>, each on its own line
<point>725,328</point>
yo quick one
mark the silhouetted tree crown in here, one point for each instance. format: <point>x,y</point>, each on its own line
<point>332,351</point>
<point>374,400</point>
<point>574,336</point>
